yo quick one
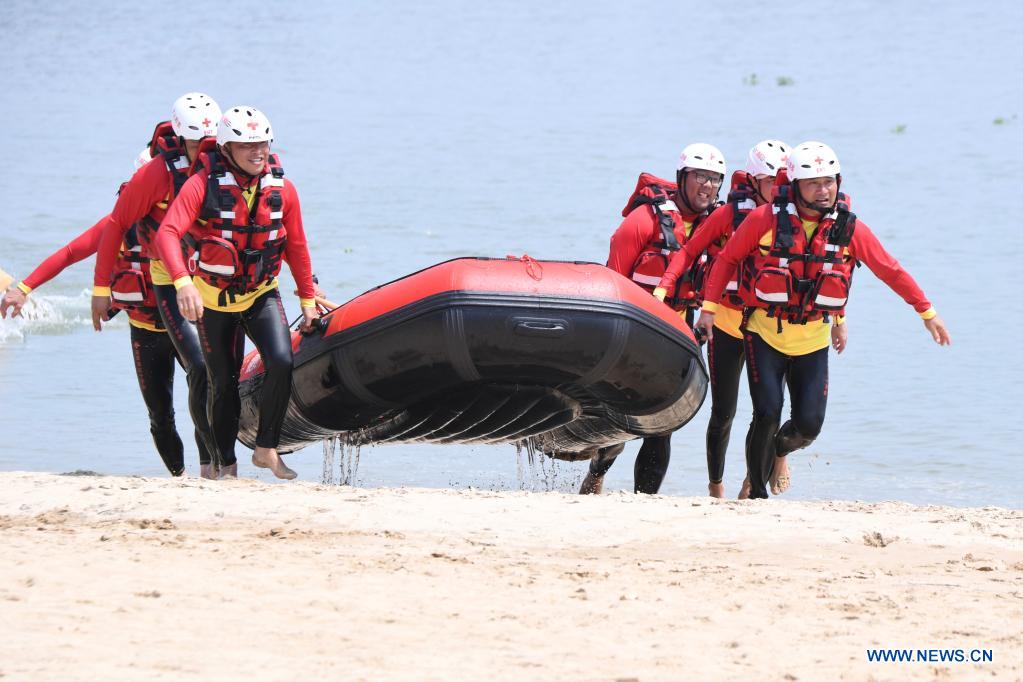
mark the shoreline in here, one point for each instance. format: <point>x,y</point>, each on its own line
<point>107,576</point>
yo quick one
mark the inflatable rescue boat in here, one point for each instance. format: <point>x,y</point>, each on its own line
<point>570,357</point>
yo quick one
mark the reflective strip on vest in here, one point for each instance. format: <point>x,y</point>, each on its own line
<point>746,205</point>
<point>227,179</point>
<point>649,280</point>
<point>273,233</point>
<point>225,270</point>
<point>182,162</point>
<point>732,286</point>
<point>668,205</point>
<point>779,297</point>
<point>225,215</point>
<point>276,215</point>
<point>269,180</point>
<point>831,301</point>
<point>128,297</point>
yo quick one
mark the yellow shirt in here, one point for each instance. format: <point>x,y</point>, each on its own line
<point>728,320</point>
<point>158,273</point>
<point>145,325</point>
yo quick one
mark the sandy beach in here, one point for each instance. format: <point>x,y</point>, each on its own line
<point>136,578</point>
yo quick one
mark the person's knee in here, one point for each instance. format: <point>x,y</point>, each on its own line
<point>794,436</point>
<point>161,422</point>
<point>192,360</point>
<point>221,380</point>
<point>721,419</point>
<point>278,361</point>
<point>766,418</point>
<point>809,425</point>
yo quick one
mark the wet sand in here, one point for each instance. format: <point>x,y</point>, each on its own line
<point>135,578</point>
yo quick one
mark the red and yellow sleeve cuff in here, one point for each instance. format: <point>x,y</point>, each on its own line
<point>710,307</point>
<point>25,289</point>
<point>101,291</point>
<point>181,282</point>
<point>307,302</point>
<point>928,314</point>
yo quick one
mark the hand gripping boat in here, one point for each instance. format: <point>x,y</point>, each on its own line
<point>570,357</point>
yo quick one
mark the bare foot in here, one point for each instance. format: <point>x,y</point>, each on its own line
<point>267,458</point>
<point>744,490</point>
<point>207,471</point>
<point>780,478</point>
<point>592,485</point>
<point>229,470</point>
<point>716,489</point>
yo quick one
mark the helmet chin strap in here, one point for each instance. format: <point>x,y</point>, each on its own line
<point>823,209</point>
<point>755,184</point>
<point>680,180</point>
<point>235,168</point>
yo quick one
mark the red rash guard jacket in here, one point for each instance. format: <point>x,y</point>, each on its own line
<point>864,247</point>
<point>79,248</point>
<point>183,213</point>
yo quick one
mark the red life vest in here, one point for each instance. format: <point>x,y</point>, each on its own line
<point>239,249</point>
<point>167,145</point>
<point>669,237</point>
<point>131,287</point>
<point>796,279</point>
<point>740,202</point>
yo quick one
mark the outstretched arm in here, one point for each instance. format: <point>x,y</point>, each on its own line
<point>79,248</point>
<point>866,247</point>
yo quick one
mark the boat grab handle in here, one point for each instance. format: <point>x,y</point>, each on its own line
<point>540,326</point>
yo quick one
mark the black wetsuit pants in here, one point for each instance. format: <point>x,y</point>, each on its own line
<point>183,335</point>
<point>769,370</point>
<point>222,335</point>
<point>725,358</point>
<point>154,357</point>
<point>651,462</point>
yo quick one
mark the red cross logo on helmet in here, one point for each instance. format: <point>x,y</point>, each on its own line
<point>252,125</point>
<point>819,160</point>
<point>206,122</point>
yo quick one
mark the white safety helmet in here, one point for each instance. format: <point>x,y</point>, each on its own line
<point>766,157</point>
<point>244,124</point>
<point>195,116</point>
<point>702,156</point>
<point>812,160</point>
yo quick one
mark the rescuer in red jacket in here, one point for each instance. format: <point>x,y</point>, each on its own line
<point>751,187</point>
<point>251,223</point>
<point>659,218</point>
<point>127,275</point>
<point>797,256</point>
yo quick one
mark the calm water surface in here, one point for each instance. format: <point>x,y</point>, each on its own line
<point>419,132</point>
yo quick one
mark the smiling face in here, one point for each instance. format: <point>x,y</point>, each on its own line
<point>701,188</point>
<point>250,157</point>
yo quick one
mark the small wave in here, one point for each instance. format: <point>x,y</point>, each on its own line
<point>51,315</point>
